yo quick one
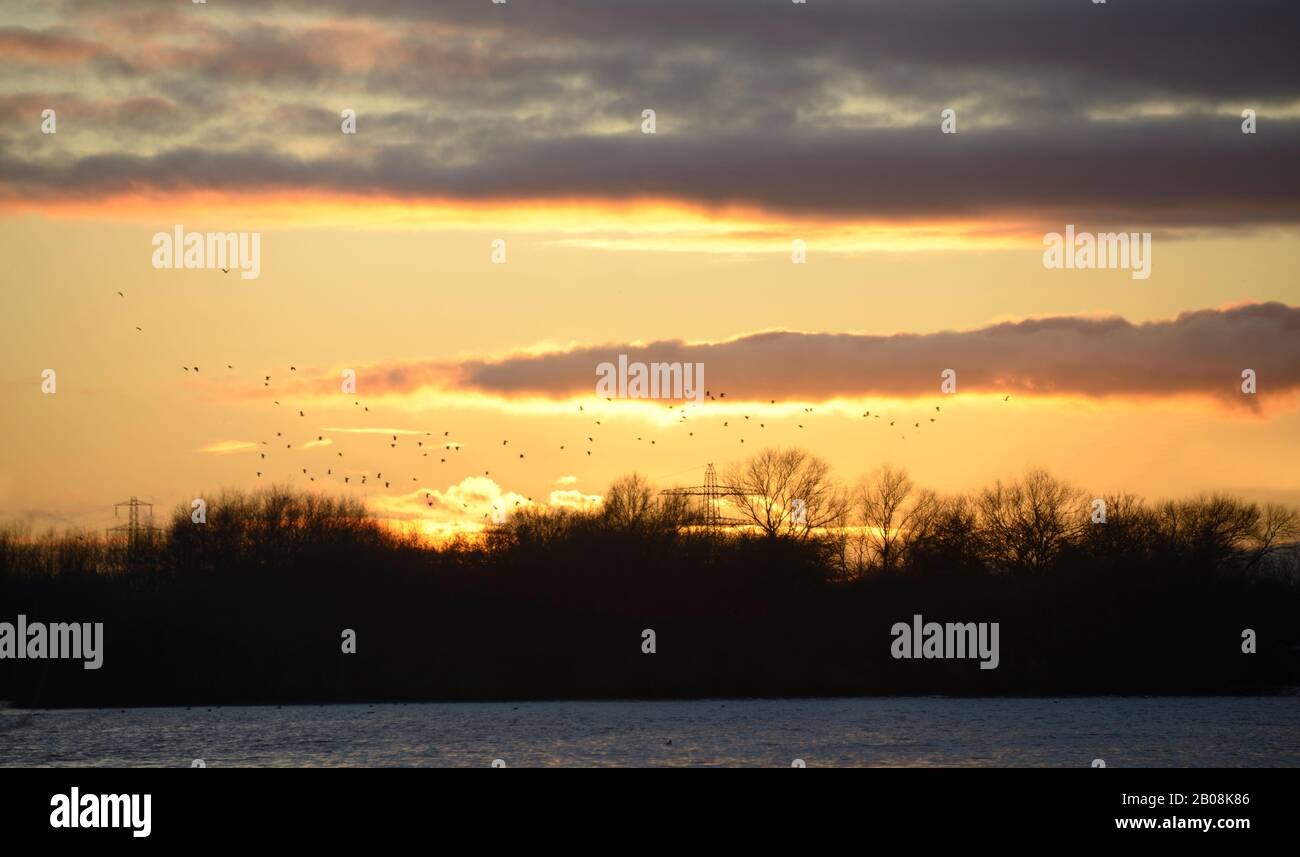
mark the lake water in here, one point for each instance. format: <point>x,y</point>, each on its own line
<point>911,731</point>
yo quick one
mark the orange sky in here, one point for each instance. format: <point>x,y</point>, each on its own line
<point>129,419</point>
<point>376,255</point>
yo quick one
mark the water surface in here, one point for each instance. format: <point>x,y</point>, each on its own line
<point>893,731</point>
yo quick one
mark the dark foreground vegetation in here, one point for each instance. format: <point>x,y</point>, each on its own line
<point>250,606</point>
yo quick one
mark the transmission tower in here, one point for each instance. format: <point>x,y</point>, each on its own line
<point>711,495</point>
<point>133,530</point>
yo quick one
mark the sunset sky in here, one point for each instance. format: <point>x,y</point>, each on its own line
<point>523,122</point>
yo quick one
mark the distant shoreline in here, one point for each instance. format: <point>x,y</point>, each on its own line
<point>985,600</point>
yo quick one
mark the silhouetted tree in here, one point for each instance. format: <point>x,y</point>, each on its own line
<point>248,606</point>
<point>1026,523</point>
<point>769,484</point>
<point>893,515</point>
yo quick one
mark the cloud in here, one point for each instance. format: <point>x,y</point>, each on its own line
<point>1066,112</point>
<point>1201,352</point>
<point>1205,50</point>
<point>19,44</point>
<point>228,447</point>
<point>1115,174</point>
<point>387,431</point>
<point>472,501</point>
<point>573,500</point>
<point>466,507</point>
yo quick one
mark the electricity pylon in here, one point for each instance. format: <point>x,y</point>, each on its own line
<point>133,530</point>
<point>711,496</point>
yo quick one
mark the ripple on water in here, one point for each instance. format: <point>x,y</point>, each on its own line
<point>892,731</point>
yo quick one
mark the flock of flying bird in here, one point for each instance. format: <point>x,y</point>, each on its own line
<point>453,447</point>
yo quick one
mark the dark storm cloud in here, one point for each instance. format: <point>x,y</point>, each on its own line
<point>1155,171</point>
<point>1194,47</point>
<point>824,109</point>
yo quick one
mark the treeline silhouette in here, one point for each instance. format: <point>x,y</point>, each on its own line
<point>250,606</point>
